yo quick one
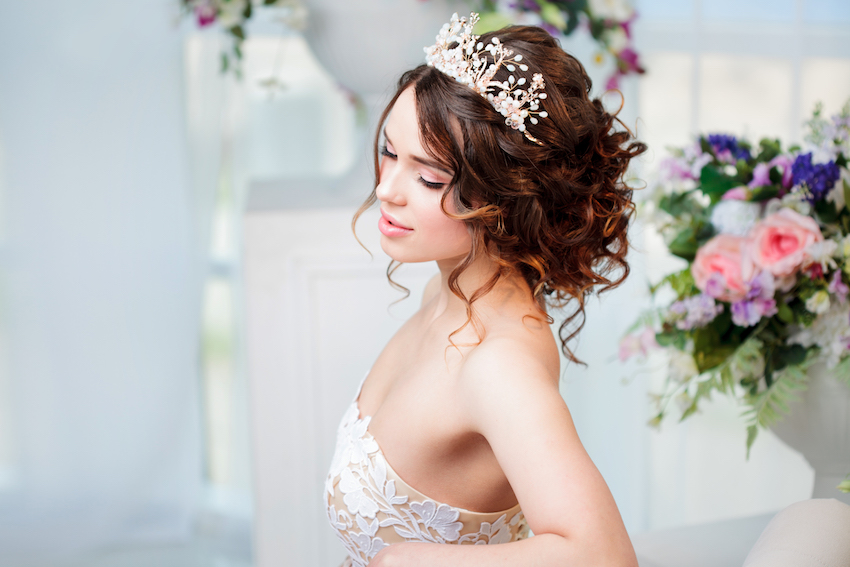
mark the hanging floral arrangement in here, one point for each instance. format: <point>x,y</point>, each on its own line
<point>609,23</point>
<point>232,15</point>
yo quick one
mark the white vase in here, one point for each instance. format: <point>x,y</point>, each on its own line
<point>367,44</point>
<point>818,426</point>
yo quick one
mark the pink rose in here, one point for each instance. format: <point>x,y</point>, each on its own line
<point>778,243</point>
<point>721,267</point>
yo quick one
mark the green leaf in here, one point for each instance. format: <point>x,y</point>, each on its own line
<point>491,21</point>
<point>708,350</point>
<point>685,244</point>
<point>846,194</point>
<point>842,371</point>
<point>597,27</point>
<point>679,204</point>
<point>552,14</point>
<point>764,193</point>
<point>675,338</point>
<point>238,32</point>
<point>826,211</point>
<point>785,313</point>
<point>225,62</point>
<point>572,22</point>
<point>770,405</point>
<point>714,183</point>
<point>790,355</point>
<point>681,282</point>
<point>752,432</point>
<point>844,485</point>
<point>768,149</point>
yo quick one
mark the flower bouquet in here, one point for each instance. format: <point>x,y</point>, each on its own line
<point>609,23</point>
<point>232,15</point>
<point>766,237</point>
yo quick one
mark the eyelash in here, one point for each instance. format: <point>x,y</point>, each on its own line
<point>429,184</point>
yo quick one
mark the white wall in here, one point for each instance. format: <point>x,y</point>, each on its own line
<point>101,278</point>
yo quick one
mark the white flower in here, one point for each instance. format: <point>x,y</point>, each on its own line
<point>682,366</point>
<point>830,332</point>
<point>442,518</point>
<point>617,40</point>
<point>616,10</point>
<point>844,246</point>
<point>836,194</point>
<point>735,217</point>
<point>795,201</point>
<point>231,13</point>
<point>822,253</point>
<point>356,499</point>
<point>818,303</point>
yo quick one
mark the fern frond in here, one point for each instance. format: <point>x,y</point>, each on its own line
<point>771,405</point>
<point>842,371</point>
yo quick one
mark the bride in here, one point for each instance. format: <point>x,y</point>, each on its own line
<point>493,162</point>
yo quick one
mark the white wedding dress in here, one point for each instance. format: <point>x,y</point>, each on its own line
<point>371,507</point>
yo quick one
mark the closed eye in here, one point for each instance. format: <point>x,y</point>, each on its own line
<point>387,153</point>
<point>431,184</point>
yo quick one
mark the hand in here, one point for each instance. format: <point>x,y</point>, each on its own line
<point>395,555</point>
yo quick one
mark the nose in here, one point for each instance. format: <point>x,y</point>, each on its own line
<point>390,189</point>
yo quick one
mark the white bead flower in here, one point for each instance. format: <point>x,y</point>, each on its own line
<point>465,64</point>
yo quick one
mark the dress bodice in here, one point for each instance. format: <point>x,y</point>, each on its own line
<point>370,506</point>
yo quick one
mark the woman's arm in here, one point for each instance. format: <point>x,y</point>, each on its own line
<point>513,401</point>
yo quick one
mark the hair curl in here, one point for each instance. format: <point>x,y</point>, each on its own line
<point>556,213</point>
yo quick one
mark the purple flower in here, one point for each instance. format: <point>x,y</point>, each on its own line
<point>726,148</point>
<point>613,82</point>
<point>837,287</point>
<point>630,57</point>
<point>715,286</point>
<point>205,13</point>
<point>757,303</point>
<point>818,178</point>
<point>748,313</point>
<point>553,31</point>
<point>696,311</point>
<point>627,26</point>
<point>761,176</point>
<point>524,6</point>
<point>785,166</point>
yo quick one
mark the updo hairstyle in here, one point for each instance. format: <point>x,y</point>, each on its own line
<point>555,213</point>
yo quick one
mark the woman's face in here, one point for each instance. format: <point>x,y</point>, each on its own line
<point>413,226</point>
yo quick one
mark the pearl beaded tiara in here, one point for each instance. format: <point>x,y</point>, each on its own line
<point>466,64</point>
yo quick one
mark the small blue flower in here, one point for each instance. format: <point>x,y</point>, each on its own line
<point>819,178</point>
<point>722,143</point>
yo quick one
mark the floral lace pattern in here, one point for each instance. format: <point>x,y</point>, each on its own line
<point>370,507</point>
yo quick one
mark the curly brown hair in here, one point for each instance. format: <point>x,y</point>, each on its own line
<point>555,213</point>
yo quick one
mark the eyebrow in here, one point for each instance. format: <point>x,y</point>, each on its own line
<point>422,160</point>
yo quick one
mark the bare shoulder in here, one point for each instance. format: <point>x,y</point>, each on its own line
<point>512,373</point>
<point>431,288</point>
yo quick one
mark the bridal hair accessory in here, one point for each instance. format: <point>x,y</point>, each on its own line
<point>467,64</point>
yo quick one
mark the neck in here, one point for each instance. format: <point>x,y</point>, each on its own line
<point>511,288</point>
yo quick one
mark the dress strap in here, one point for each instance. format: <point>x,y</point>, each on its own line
<point>360,386</point>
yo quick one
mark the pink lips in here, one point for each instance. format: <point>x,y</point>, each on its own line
<point>390,227</point>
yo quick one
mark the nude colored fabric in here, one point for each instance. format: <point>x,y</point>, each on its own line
<point>371,507</point>
<point>811,533</point>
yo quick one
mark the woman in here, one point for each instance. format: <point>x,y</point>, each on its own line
<point>496,165</point>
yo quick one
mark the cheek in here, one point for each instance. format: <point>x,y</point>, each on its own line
<point>459,240</point>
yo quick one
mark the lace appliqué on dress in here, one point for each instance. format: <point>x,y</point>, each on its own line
<point>371,507</point>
